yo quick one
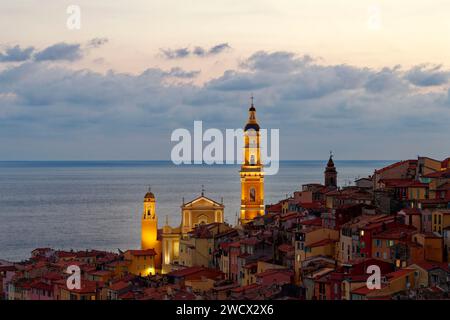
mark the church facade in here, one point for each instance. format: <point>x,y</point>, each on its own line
<point>203,210</point>
<point>166,241</point>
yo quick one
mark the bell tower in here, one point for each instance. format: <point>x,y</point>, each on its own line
<point>149,227</point>
<point>252,175</point>
<point>330,173</point>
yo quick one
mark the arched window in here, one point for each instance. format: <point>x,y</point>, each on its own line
<point>252,195</point>
<point>252,159</point>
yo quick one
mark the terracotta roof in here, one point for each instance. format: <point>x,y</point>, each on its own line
<point>412,163</point>
<point>321,243</point>
<point>312,222</point>
<point>119,285</point>
<point>412,211</point>
<point>403,183</point>
<point>399,273</point>
<point>250,241</point>
<point>397,232</point>
<point>439,174</point>
<point>285,248</point>
<point>196,272</point>
<point>271,272</point>
<point>147,252</point>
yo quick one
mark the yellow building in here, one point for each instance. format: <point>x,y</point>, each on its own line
<point>201,210</point>
<point>141,262</point>
<point>197,247</point>
<point>149,231</point>
<point>440,221</point>
<point>252,175</point>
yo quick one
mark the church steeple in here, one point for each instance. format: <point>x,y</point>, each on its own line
<point>252,123</point>
<point>149,227</point>
<point>252,175</point>
<point>330,173</point>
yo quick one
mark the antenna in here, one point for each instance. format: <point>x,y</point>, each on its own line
<point>203,190</point>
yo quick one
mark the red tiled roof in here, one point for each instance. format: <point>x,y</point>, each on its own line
<point>412,163</point>
<point>445,163</point>
<point>147,252</point>
<point>271,272</point>
<point>399,273</point>
<point>127,296</point>
<point>119,285</point>
<point>285,248</point>
<point>439,174</point>
<point>412,211</point>
<point>321,243</point>
<point>250,241</point>
<point>403,183</point>
<point>312,222</point>
<point>196,272</point>
<point>41,286</point>
<point>253,286</point>
<point>396,232</point>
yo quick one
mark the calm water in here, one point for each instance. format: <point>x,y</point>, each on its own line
<point>84,205</point>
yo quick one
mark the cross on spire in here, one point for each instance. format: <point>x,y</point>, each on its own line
<point>331,154</point>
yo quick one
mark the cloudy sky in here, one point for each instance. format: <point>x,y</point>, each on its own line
<point>367,79</point>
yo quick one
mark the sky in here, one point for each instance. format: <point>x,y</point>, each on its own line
<point>366,79</point>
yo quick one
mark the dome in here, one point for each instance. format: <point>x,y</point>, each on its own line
<point>253,126</point>
<point>149,195</point>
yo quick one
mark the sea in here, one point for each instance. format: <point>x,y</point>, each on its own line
<point>98,204</point>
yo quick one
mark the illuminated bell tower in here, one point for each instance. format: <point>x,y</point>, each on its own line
<point>252,175</point>
<point>149,231</point>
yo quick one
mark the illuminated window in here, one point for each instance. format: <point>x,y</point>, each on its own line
<point>252,195</point>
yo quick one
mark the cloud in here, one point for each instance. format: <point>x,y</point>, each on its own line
<point>97,42</point>
<point>175,54</point>
<point>59,52</point>
<point>359,112</point>
<point>180,73</point>
<point>279,61</point>
<point>197,51</point>
<point>16,54</point>
<point>427,76</point>
<point>217,49</point>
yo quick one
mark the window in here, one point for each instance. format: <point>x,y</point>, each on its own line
<point>252,159</point>
<point>384,255</point>
<point>252,194</point>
